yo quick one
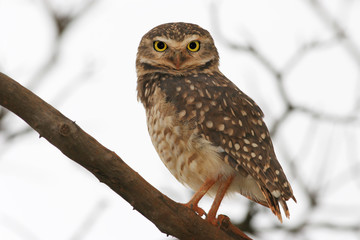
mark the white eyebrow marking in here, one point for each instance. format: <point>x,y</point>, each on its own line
<point>191,38</point>
<point>176,44</point>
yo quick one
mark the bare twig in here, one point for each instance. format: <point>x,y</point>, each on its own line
<point>90,220</point>
<point>61,24</point>
<point>304,49</point>
<point>312,192</point>
<point>17,228</point>
<point>339,30</point>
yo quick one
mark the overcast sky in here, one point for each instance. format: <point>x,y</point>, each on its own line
<point>44,195</point>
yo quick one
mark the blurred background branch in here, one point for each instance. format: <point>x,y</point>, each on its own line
<point>313,194</point>
<point>61,21</point>
<point>300,61</point>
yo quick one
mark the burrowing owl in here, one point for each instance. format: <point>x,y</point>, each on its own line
<point>209,134</point>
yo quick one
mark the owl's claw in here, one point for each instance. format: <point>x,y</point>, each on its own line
<point>223,222</point>
<point>198,210</point>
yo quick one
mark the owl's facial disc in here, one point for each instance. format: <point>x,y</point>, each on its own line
<point>180,55</point>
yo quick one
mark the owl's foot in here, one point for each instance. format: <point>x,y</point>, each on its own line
<point>198,210</point>
<point>193,203</point>
<point>213,220</point>
<point>223,222</point>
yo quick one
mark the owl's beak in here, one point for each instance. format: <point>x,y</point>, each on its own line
<point>178,59</point>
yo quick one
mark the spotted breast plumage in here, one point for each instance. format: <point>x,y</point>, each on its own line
<point>209,134</point>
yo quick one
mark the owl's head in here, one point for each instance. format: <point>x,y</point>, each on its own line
<point>176,48</point>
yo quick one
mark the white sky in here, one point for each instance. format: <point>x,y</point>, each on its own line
<point>44,195</point>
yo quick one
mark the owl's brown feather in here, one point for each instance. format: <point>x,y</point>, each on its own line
<point>201,124</point>
<point>226,117</point>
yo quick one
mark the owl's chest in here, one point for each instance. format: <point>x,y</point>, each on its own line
<point>190,158</point>
<point>171,139</point>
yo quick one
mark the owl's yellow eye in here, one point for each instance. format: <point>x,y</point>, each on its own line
<point>194,46</point>
<point>160,46</point>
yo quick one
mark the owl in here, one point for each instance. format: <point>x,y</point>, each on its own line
<point>207,132</point>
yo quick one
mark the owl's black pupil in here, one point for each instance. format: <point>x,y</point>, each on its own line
<point>192,45</point>
<point>160,45</point>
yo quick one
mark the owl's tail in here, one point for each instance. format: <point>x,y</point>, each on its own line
<point>273,203</point>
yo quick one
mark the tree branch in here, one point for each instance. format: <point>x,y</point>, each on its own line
<point>169,217</point>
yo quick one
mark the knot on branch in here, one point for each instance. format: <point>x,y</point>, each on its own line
<point>64,129</point>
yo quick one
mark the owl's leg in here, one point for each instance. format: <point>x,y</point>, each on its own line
<point>211,217</point>
<point>193,203</point>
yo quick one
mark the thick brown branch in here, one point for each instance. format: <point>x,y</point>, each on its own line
<point>170,217</point>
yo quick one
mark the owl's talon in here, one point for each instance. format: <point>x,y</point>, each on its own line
<point>198,210</point>
<point>224,223</point>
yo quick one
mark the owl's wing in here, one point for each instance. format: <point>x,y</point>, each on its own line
<point>230,119</point>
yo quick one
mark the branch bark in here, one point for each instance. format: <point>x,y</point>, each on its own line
<point>169,217</point>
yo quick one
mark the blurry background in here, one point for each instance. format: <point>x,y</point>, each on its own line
<point>299,60</point>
